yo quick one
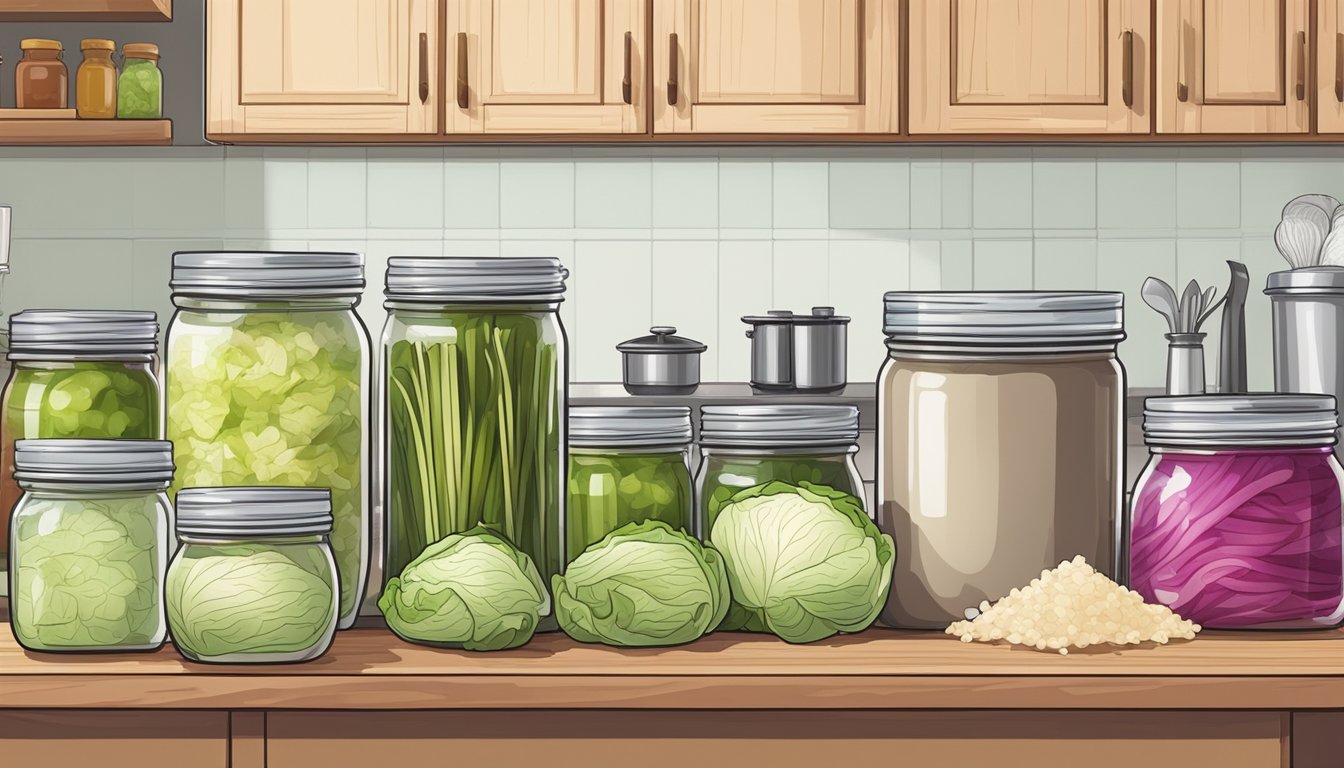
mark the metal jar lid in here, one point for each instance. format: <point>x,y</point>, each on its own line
<point>245,275</point>
<point>1309,280</point>
<point>253,512</point>
<point>431,279</point>
<point>784,426</point>
<point>615,426</point>
<point>94,462</point>
<point>662,339</point>
<point>819,316</point>
<point>1242,420</point>
<point>1004,320</point>
<point>43,334</point>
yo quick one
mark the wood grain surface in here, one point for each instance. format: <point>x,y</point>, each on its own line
<point>86,132</point>
<point>86,10</point>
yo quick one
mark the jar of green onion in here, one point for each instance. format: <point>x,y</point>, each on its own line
<point>474,362</point>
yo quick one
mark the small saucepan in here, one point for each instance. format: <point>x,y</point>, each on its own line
<point>661,363</point>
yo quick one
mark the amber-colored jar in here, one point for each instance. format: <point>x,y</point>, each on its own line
<point>96,81</point>
<point>41,80</point>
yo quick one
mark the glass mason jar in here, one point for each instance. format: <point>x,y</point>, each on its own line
<point>140,87</point>
<point>255,581</point>
<point>746,445</point>
<point>1000,444</point>
<point>96,81</point>
<point>626,465</point>
<point>1237,520</point>
<point>78,374</point>
<point>268,368</point>
<point>89,544</point>
<point>41,79</point>
<point>474,365</point>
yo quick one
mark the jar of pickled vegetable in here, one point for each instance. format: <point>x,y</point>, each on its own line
<point>78,374</point>
<point>626,465</point>
<point>268,368</point>
<point>474,402</point>
<point>140,87</point>
<point>746,445</point>
<point>1237,520</point>
<point>96,81</point>
<point>90,544</point>
<point>255,581</point>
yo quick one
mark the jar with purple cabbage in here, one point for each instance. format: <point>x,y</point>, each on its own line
<point>1237,521</point>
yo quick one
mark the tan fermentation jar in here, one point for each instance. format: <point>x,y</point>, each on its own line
<point>1000,447</point>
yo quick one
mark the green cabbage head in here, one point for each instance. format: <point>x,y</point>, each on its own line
<point>804,561</point>
<point>645,584</point>
<point>472,590</point>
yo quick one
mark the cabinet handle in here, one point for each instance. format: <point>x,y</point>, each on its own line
<point>1127,68</point>
<point>672,87</point>
<point>626,86</point>
<point>1339,68</point>
<point>424,68</point>
<point>1182,89</point>
<point>1301,66</point>
<point>463,92</point>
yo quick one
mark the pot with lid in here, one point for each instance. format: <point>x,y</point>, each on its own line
<point>798,353</point>
<point>661,363</point>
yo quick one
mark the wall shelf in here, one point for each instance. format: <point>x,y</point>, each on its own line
<point>86,10</point>
<point>97,133</point>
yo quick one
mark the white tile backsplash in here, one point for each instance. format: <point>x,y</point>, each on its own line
<point>801,274</point>
<point>471,194</point>
<point>1136,193</point>
<point>686,297</point>
<point>612,303</point>
<point>536,195</point>
<point>868,194</point>
<point>686,194</point>
<point>1003,265</point>
<point>801,194</point>
<point>613,194</point>
<point>1002,193</point>
<point>745,288</point>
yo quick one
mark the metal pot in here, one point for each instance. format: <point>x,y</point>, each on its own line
<point>798,353</point>
<point>661,363</point>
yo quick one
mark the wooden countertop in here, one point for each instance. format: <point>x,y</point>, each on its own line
<point>879,669</point>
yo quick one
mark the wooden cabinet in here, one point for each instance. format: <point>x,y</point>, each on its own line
<point>114,739</point>
<point>322,67</point>
<point>783,67</point>
<point>1330,66</point>
<point>1030,66</point>
<point>563,66</point>
<point>1233,66</point>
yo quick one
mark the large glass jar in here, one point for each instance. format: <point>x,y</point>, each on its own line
<point>78,374</point>
<point>474,364</point>
<point>89,543</point>
<point>140,87</point>
<point>626,465</point>
<point>96,81</point>
<point>1237,519</point>
<point>268,367</point>
<point>1000,444</point>
<point>41,80</point>
<point>745,445</point>
<point>255,580</point>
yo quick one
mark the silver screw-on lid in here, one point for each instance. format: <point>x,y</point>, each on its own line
<point>1265,419</point>
<point>253,512</point>
<point>662,340</point>
<point>1004,319</point>
<point>764,426</point>
<point>44,334</point>
<point>431,279</point>
<point>1309,280</point>
<point>123,463</point>
<point>246,275</point>
<point>614,426</point>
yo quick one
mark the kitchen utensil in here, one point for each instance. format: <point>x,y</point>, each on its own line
<point>1327,203</point>
<point>1300,209</point>
<point>661,363</point>
<point>1299,240</point>
<point>1185,351</point>
<point>798,353</point>
<point>1158,295</point>
<point>1308,317</point>
<point>1232,341</point>
<point>1332,251</point>
<point>1185,363</point>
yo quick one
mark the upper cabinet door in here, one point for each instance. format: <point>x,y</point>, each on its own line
<point>1029,66</point>
<point>552,67</point>
<point>776,66</point>
<point>1233,66</point>
<point>1330,75</point>
<point>323,67</point>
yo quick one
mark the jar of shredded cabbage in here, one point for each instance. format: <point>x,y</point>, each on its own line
<point>474,363</point>
<point>89,544</point>
<point>255,581</point>
<point>746,445</point>
<point>626,465</point>
<point>268,366</point>
<point>78,374</point>
<point>1237,518</point>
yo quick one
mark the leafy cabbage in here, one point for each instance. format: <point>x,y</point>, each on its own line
<point>804,561</point>
<point>471,590</point>
<point>644,584</point>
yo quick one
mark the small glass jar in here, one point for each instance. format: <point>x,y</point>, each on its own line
<point>89,544</point>
<point>255,580</point>
<point>41,80</point>
<point>1238,518</point>
<point>78,374</point>
<point>746,445</point>
<point>626,465</point>
<point>140,87</point>
<point>96,81</point>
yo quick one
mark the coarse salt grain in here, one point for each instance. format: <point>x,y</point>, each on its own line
<point>1073,606</point>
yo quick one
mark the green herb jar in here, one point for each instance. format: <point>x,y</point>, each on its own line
<point>475,366</point>
<point>268,366</point>
<point>626,465</point>
<point>140,87</point>
<point>255,581</point>
<point>746,445</point>
<point>78,374</point>
<point>89,544</point>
